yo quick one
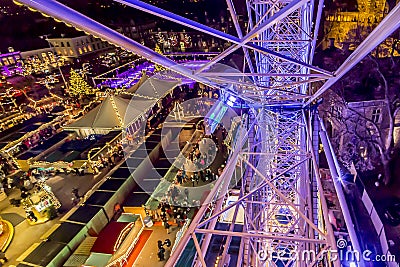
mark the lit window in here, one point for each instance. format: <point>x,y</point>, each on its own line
<point>376,115</point>
<point>336,111</point>
<point>80,51</point>
<point>11,60</point>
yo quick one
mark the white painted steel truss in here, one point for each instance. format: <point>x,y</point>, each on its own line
<point>273,153</point>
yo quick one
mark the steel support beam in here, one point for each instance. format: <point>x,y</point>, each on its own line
<point>235,20</point>
<point>336,177</point>
<point>283,197</point>
<point>216,33</point>
<point>325,212</point>
<point>214,216</point>
<point>261,236</point>
<point>198,249</point>
<point>275,174</point>
<point>70,16</point>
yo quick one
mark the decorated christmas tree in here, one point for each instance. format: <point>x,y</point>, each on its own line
<point>158,67</point>
<point>78,87</point>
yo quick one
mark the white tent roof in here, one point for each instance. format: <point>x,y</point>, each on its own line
<point>136,86</point>
<point>117,112</point>
<point>156,87</point>
<point>113,113</point>
<point>223,68</point>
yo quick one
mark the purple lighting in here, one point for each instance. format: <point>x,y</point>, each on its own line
<point>6,71</point>
<point>129,77</point>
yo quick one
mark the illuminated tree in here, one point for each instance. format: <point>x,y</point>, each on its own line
<point>78,87</point>
<point>365,131</point>
<point>158,67</point>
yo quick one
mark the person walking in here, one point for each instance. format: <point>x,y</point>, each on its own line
<point>167,226</point>
<point>160,254</point>
<point>3,257</point>
<point>192,179</point>
<point>187,193</point>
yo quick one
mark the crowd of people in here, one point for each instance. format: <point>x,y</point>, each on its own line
<point>169,215</point>
<point>25,182</point>
<point>36,139</point>
<point>7,166</point>
<point>178,95</point>
<point>205,176</point>
<point>110,159</point>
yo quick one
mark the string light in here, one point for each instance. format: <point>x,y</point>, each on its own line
<point>17,3</point>
<point>29,134</point>
<point>122,235</point>
<point>121,121</point>
<point>127,253</point>
<point>158,68</point>
<point>139,95</point>
<point>154,88</point>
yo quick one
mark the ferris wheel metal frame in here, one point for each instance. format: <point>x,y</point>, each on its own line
<point>276,148</point>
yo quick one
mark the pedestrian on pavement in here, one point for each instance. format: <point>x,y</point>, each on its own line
<point>192,179</point>
<point>160,253</point>
<point>167,226</point>
<point>202,176</point>
<point>179,178</point>
<point>196,178</point>
<point>3,257</point>
<point>75,193</point>
<point>163,216</point>
<point>187,193</point>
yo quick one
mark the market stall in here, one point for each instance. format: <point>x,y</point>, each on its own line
<point>70,234</point>
<point>114,113</point>
<point>93,217</point>
<point>6,234</point>
<point>42,205</point>
<point>116,241</point>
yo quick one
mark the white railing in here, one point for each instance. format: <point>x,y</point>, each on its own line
<point>380,229</point>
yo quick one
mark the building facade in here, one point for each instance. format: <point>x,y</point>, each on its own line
<point>354,127</point>
<point>349,23</point>
<point>78,46</point>
<point>11,64</point>
<point>41,60</point>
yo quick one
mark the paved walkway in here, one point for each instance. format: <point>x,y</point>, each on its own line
<point>27,235</point>
<point>148,255</point>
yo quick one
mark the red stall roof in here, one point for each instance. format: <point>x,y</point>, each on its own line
<point>107,237</point>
